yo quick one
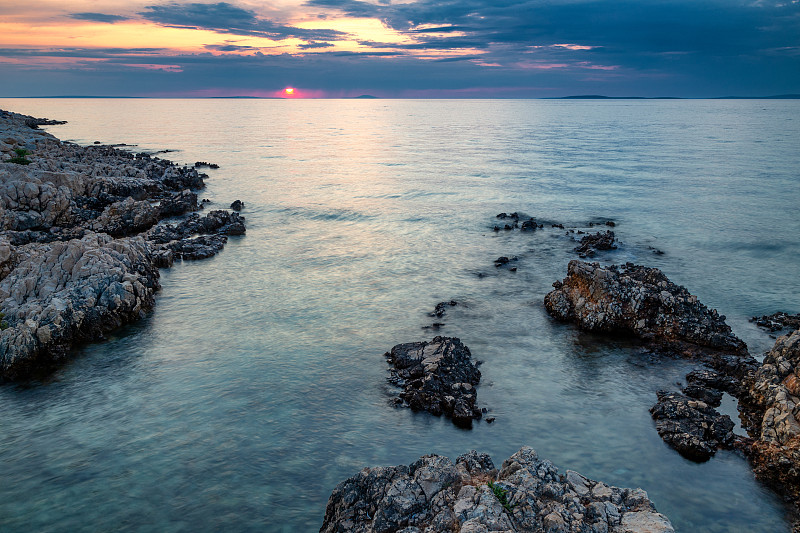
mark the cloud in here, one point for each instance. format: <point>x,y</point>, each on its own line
<point>98,17</point>
<point>226,18</point>
<point>309,46</point>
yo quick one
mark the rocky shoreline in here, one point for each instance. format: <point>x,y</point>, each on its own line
<point>470,495</point>
<point>82,238</point>
<point>641,302</point>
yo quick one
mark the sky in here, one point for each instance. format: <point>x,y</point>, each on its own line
<point>399,48</point>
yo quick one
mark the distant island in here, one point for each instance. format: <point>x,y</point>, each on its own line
<point>602,97</point>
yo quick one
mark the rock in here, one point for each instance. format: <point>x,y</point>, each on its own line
<point>65,292</point>
<point>777,321</point>
<point>434,495</point>
<point>641,301</point>
<point>201,164</point>
<point>438,377</point>
<point>500,261</point>
<point>178,204</point>
<point>237,205</point>
<point>201,247</point>
<point>694,428</point>
<point>126,218</point>
<point>772,406</point>
<point>599,241</point>
<point>63,277</point>
<point>775,392</point>
<point>441,308</point>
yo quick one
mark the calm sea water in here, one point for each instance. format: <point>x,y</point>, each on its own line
<point>258,383</point>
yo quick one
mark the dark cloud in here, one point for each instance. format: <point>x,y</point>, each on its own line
<point>230,47</point>
<point>223,17</point>
<point>309,46</point>
<point>642,47</point>
<point>98,17</point>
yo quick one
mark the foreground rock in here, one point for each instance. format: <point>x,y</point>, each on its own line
<point>438,377</point>
<point>435,495</point>
<point>641,301</point>
<point>80,241</point>
<point>772,405</point>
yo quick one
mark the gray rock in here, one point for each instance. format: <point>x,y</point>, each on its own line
<point>527,495</point>
<point>63,277</point>
<point>641,301</point>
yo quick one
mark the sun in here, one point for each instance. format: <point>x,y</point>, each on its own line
<point>289,91</point>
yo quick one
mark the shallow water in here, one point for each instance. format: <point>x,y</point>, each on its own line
<point>258,383</point>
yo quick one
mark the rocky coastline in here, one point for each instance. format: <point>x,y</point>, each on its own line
<point>527,494</point>
<point>641,302</point>
<point>82,236</point>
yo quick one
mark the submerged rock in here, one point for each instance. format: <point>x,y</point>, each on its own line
<point>438,377</point>
<point>528,494</point>
<point>641,301</point>
<point>441,308</point>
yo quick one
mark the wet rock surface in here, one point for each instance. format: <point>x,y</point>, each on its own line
<point>527,494</point>
<point>81,240</point>
<point>641,301</point>
<point>438,377</point>
<point>694,428</point>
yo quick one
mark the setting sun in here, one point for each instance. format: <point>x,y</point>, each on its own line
<point>289,91</point>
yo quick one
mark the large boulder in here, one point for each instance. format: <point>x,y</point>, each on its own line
<point>527,494</point>
<point>640,301</point>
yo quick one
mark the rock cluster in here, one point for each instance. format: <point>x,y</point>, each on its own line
<point>772,403</point>
<point>527,494</point>
<point>438,377</point>
<point>589,244</point>
<point>777,321</point>
<point>80,240</point>
<point>640,301</point>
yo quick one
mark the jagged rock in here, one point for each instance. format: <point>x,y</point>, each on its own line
<point>126,218</point>
<point>777,321</point>
<point>201,164</point>
<point>63,278</point>
<point>771,405</point>
<point>438,377</point>
<point>62,292</point>
<point>178,204</point>
<point>641,301</point>
<point>598,241</point>
<point>434,495</point>
<point>201,247</point>
<point>775,391</point>
<point>237,205</point>
<point>694,428</point>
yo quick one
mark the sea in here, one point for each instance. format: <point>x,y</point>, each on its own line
<point>258,382</point>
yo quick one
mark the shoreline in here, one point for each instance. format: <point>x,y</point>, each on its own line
<point>83,233</point>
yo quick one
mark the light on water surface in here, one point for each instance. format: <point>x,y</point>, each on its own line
<point>258,383</point>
